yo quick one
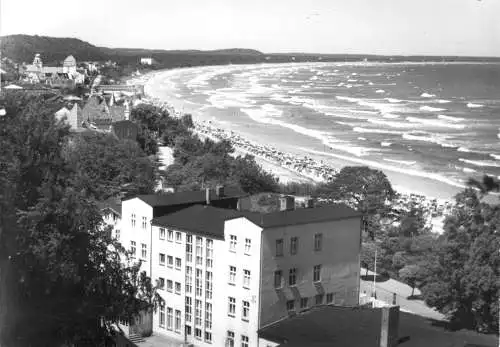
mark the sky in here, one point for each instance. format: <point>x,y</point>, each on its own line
<point>407,27</point>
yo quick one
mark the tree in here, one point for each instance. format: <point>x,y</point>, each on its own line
<point>368,256</point>
<point>60,269</point>
<point>409,274</point>
<point>462,273</point>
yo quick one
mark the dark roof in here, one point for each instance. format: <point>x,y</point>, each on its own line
<point>189,197</point>
<point>302,216</point>
<point>347,326</point>
<point>199,219</point>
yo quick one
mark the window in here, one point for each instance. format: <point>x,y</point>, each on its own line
<point>232,307</point>
<point>117,234</point>
<point>178,237</point>
<point>170,235</point>
<point>162,233</point>
<point>318,240</point>
<point>292,277</point>
<point>197,312</point>
<point>230,339</point>
<point>318,299</point>
<point>290,305</point>
<point>170,261</point>
<point>169,318</point>
<point>244,341</point>
<point>178,263</point>
<point>177,288</point>
<point>189,279</point>
<point>248,246</point>
<point>233,240</point>
<point>162,259</point>
<point>246,278</point>
<point>329,298</point>
<point>188,330</point>
<point>169,285</point>
<point>162,316</point>
<point>294,245</point>
<point>144,222</point>
<point>232,275</point>
<point>189,309</point>
<point>189,248</point>
<point>132,220</point>
<point>132,248</point>
<point>317,273</point>
<point>303,302</point>
<point>208,285</point>
<point>208,316</point>
<point>279,247</point>
<point>277,278</point>
<point>198,284</point>
<point>210,253</point>
<point>208,337</point>
<point>197,333</point>
<point>199,244</point>
<point>144,251</point>
<point>177,326</point>
<point>246,311</point>
<point>161,283</point>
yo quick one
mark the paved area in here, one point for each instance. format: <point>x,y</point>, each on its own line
<point>385,292</point>
<point>156,340</point>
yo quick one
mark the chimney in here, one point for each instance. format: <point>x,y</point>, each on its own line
<point>287,203</point>
<point>219,190</point>
<point>207,195</point>
<point>389,327</point>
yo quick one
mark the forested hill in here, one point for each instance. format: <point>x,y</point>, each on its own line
<point>22,48</point>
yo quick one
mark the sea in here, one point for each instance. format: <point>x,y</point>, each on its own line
<point>439,121</point>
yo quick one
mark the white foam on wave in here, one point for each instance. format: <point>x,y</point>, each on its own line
<point>482,163</point>
<point>362,138</point>
<point>385,144</point>
<point>468,170</point>
<point>268,114</point>
<point>390,116</point>
<point>442,101</point>
<point>382,166</point>
<point>376,131</point>
<point>424,136</point>
<point>471,105</point>
<point>393,101</point>
<point>403,162</point>
<point>434,123</point>
<point>380,91</point>
<point>463,149</point>
<point>427,95</point>
<point>451,119</point>
<point>431,109</point>
<point>496,156</point>
<point>392,124</point>
<point>352,80</point>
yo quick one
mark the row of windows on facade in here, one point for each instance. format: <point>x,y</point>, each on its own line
<point>294,245</point>
<point>189,283</point>
<point>292,276</point>
<point>304,302</point>
<point>144,221</point>
<point>175,325</point>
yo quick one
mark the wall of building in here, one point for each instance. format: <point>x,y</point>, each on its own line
<point>139,234</point>
<point>339,259</point>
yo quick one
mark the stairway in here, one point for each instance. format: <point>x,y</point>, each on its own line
<point>136,338</point>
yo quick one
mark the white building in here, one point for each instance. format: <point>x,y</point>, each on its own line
<point>224,274</point>
<point>147,61</point>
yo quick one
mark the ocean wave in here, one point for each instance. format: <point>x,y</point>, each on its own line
<point>434,122</point>
<point>496,156</point>
<point>390,116</point>
<point>403,162</point>
<point>382,166</point>
<point>223,101</point>
<point>471,105</point>
<point>442,101</point>
<point>351,80</point>
<point>488,163</point>
<point>393,101</point>
<point>427,95</point>
<point>423,136</point>
<point>385,144</point>
<point>463,149</point>
<point>362,138</point>
<point>451,119</point>
<point>346,98</point>
<point>398,125</point>
<point>376,131</point>
<point>468,170</point>
<point>431,109</point>
<point>380,91</point>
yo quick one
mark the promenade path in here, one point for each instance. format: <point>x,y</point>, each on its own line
<point>385,292</point>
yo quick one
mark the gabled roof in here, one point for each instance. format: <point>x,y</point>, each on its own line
<point>302,216</point>
<point>113,204</point>
<point>189,197</point>
<point>199,219</point>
